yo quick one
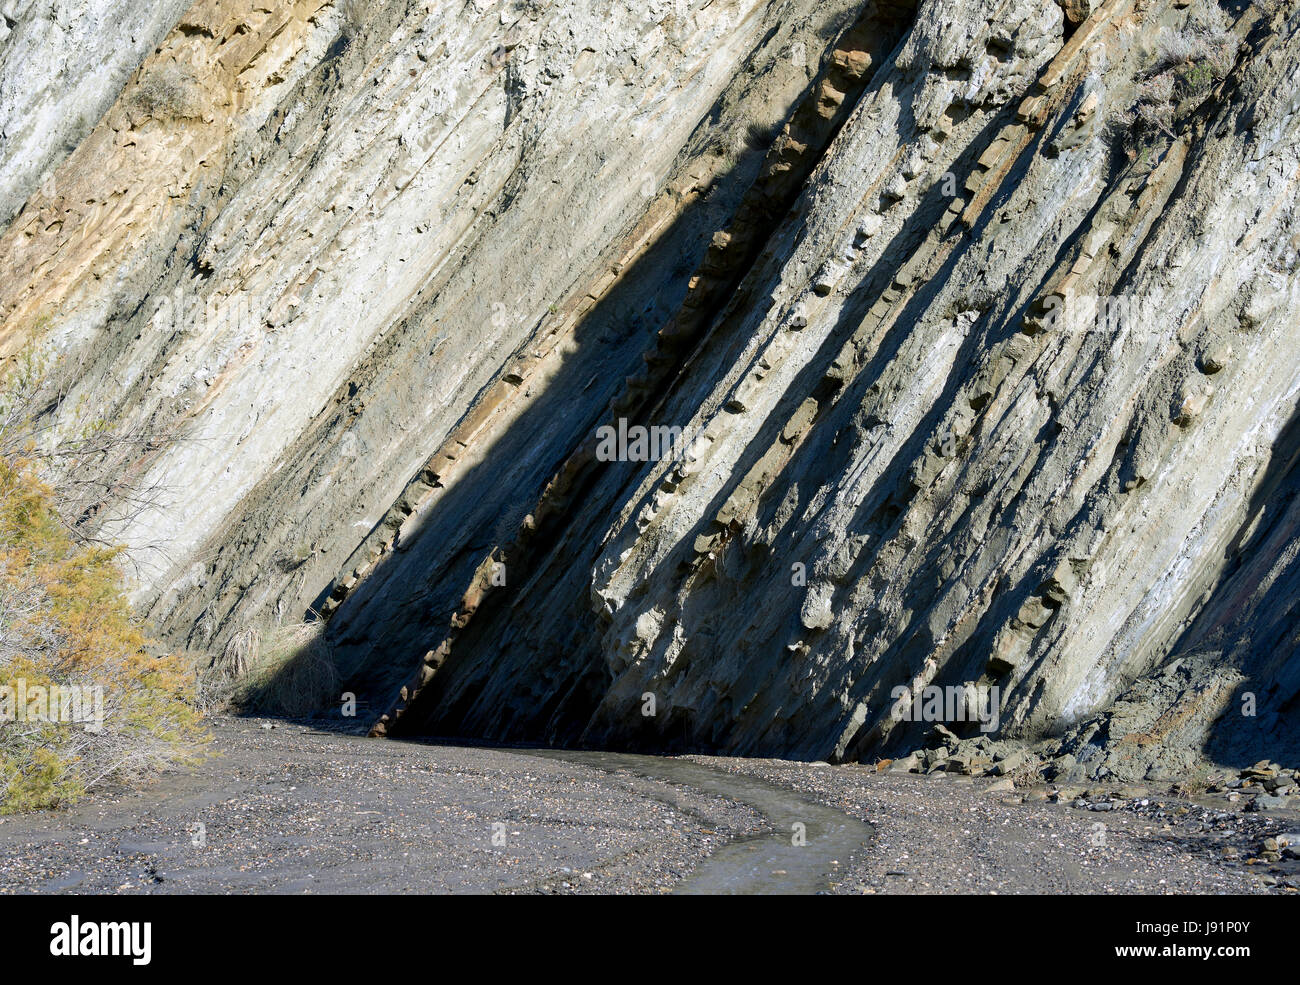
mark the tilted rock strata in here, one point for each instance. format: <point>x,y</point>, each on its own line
<point>411,219</point>
<point>62,64</point>
<point>974,494</point>
<point>921,453</point>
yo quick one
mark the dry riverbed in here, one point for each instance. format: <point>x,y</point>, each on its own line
<point>286,808</point>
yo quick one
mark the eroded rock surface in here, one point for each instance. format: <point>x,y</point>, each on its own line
<point>978,322</point>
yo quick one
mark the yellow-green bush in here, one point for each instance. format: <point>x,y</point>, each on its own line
<point>65,622</point>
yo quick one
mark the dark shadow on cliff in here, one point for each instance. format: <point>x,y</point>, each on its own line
<point>532,664</point>
<point>1250,622</point>
<point>563,699</point>
<point>406,604</point>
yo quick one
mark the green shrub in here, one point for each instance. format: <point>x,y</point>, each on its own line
<point>68,632</point>
<point>1184,68</point>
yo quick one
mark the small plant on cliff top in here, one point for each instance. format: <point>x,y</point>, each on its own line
<point>168,92</point>
<point>1184,67</point>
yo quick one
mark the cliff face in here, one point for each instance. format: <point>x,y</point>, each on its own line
<point>305,243</point>
<point>62,64</point>
<point>977,322</point>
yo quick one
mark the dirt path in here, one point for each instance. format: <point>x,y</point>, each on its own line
<point>948,834</point>
<point>802,849</point>
<point>294,810</point>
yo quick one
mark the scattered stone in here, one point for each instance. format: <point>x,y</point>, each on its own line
<point>827,277</point>
<point>799,316</point>
<point>1267,802</point>
<point>940,735</point>
<point>1062,766</point>
<point>1261,770</point>
<point>968,764</point>
<point>905,764</point>
<point>1011,762</point>
<point>1191,403</point>
<point>1216,358</point>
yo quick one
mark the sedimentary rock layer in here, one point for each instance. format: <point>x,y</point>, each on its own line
<point>977,322</point>
<point>310,248</point>
<point>926,456</point>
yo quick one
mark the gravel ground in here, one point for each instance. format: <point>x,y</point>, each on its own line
<point>947,834</point>
<point>293,809</point>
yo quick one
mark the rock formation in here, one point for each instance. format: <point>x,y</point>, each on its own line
<point>976,323</point>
